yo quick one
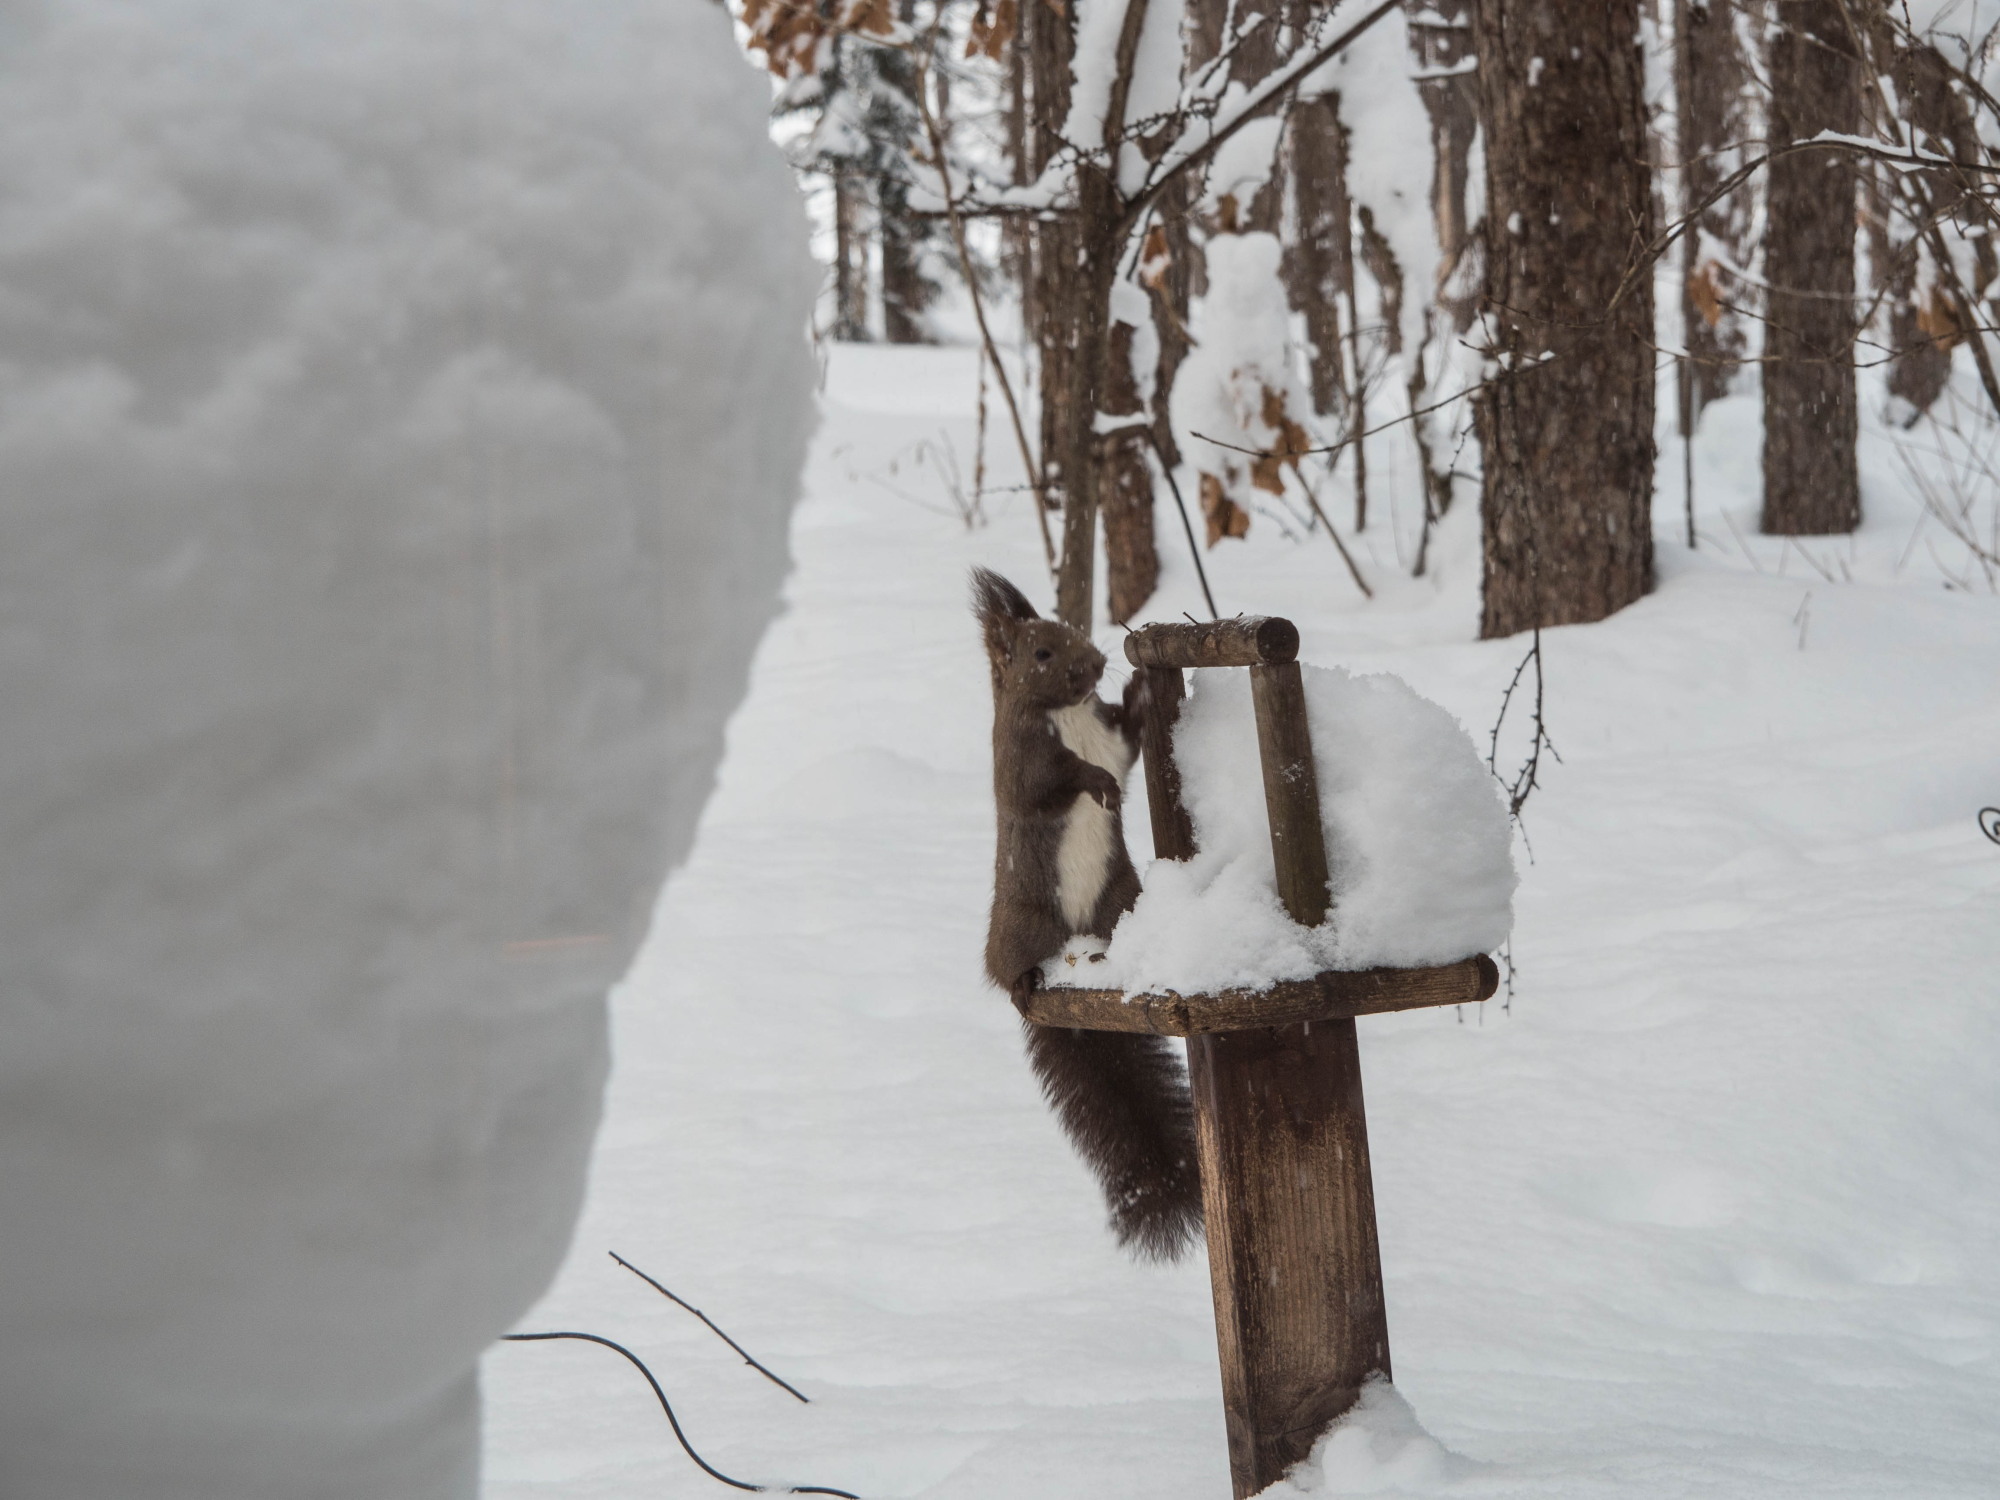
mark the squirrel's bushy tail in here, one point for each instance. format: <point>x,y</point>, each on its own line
<point>1123,1101</point>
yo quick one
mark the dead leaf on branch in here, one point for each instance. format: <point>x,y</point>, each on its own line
<point>1705,292</point>
<point>1267,469</point>
<point>1224,516</point>
<point>1939,319</point>
<point>792,34</point>
<point>1155,259</point>
<point>992,30</point>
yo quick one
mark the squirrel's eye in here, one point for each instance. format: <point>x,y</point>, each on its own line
<point>1044,654</point>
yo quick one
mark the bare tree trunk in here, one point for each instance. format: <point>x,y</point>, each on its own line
<point>1125,486</point>
<point>1318,266</point>
<point>1711,79</point>
<point>1441,46</point>
<point>1923,331</point>
<point>850,262</point>
<point>1171,245</point>
<point>1076,257</point>
<point>1568,433</point>
<point>1083,315</point>
<point>1049,41</point>
<point>1811,482</point>
<point>1017,254</point>
<point>905,293</point>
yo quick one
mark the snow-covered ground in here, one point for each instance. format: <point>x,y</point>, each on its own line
<point>1710,1210</point>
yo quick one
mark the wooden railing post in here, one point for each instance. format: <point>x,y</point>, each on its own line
<point>1173,833</point>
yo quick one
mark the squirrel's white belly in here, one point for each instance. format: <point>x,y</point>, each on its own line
<point>1090,830</point>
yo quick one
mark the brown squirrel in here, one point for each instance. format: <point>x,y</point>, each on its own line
<point>1060,756</point>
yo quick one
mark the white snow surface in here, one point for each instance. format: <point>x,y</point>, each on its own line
<point>1708,1213</point>
<point>1418,845</point>
<point>1378,1448</point>
<point>401,403</point>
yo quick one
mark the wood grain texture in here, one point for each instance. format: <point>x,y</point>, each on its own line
<point>1289,1206</point>
<point>1242,642</point>
<point>1173,831</point>
<point>1291,791</point>
<point>1334,995</point>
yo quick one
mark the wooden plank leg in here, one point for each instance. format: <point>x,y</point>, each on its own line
<point>1292,1254</point>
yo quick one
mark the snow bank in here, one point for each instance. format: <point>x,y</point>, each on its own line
<point>1418,844</point>
<point>400,407</point>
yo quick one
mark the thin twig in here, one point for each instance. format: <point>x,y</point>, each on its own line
<point>1334,449</point>
<point>1187,526</point>
<point>656,1286</point>
<point>1326,521</point>
<point>1036,479</point>
<point>1528,778</point>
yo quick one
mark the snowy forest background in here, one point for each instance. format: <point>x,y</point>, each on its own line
<point>1632,355</point>
<point>1766,200</point>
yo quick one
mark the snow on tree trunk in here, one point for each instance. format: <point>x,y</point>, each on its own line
<point>1812,484</point>
<point>1567,433</point>
<point>402,412</point>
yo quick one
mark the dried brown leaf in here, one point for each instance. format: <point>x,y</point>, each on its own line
<point>1155,258</point>
<point>993,30</point>
<point>1224,516</point>
<point>1705,292</point>
<point>1267,469</point>
<point>1939,319</point>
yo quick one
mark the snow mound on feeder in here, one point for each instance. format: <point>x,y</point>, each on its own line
<point>1419,850</point>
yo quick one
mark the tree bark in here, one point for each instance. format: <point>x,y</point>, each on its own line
<point>1170,290</point>
<point>1716,116</point>
<point>850,263</point>
<point>1441,46</point>
<point>1924,329</point>
<point>1811,483</point>
<point>1060,296</point>
<point>1079,308</point>
<point>905,291</point>
<point>1318,263</point>
<point>1567,431</point>
<point>1125,486</point>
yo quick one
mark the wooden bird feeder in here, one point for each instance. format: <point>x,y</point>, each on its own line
<point>1276,1074</point>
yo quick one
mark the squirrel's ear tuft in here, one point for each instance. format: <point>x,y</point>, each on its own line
<point>1002,609</point>
<point>993,597</point>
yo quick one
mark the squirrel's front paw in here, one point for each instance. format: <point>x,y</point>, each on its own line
<point>1023,988</point>
<point>1105,787</point>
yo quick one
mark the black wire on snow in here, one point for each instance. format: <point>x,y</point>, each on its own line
<point>705,1466</point>
<point>760,1369</point>
<point>1989,823</point>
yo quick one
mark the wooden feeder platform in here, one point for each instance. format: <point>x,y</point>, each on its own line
<point>1337,995</point>
<point>1287,1196</point>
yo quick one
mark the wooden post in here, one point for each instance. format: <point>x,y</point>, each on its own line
<point>1173,833</point>
<point>1292,1256</point>
<point>1291,790</point>
<point>1287,1195</point>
